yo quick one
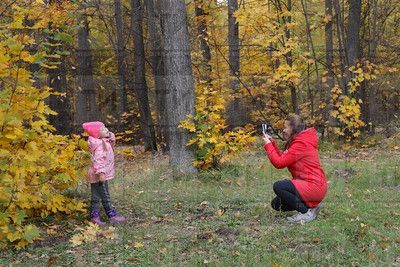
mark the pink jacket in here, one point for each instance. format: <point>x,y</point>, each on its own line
<point>102,155</point>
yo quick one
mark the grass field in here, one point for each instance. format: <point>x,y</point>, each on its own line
<point>223,218</point>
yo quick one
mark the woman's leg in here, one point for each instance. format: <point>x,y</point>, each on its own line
<point>289,196</point>
<point>277,205</point>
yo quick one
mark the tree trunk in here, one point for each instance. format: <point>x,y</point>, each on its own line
<point>58,82</point>
<point>155,40</point>
<point>140,85</point>
<point>289,61</point>
<point>236,114</point>
<point>373,44</point>
<point>205,74</point>
<point>86,105</point>
<point>353,32</point>
<point>120,94</point>
<point>179,80</point>
<point>330,83</point>
<point>341,43</point>
<point>354,49</point>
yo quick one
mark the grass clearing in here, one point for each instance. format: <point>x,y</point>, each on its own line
<point>223,217</point>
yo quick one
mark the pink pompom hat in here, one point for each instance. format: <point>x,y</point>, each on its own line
<point>93,128</point>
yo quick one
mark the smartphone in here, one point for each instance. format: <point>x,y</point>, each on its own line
<point>264,128</point>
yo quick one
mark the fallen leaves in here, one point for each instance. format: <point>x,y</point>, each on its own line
<point>91,233</point>
<point>219,213</point>
<point>51,261</point>
<point>316,240</point>
<point>138,245</point>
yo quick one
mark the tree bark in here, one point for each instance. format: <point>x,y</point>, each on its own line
<point>57,80</point>
<point>86,105</point>
<point>353,32</point>
<point>354,50</point>
<point>330,76</point>
<point>140,85</point>
<point>205,74</point>
<point>289,61</point>
<point>120,94</point>
<point>341,43</point>
<point>236,114</point>
<point>179,80</point>
<point>373,44</point>
<point>155,40</point>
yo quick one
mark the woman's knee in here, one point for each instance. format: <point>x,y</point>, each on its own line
<point>282,185</point>
<point>278,186</point>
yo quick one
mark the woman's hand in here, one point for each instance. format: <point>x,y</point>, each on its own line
<point>267,138</point>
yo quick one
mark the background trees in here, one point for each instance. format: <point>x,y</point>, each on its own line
<point>334,62</point>
<point>169,73</point>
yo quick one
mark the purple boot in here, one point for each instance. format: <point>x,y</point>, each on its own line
<point>95,218</point>
<point>114,217</point>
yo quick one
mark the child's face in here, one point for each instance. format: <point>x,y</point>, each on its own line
<point>104,132</point>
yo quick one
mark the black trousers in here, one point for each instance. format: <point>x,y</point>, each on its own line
<point>100,193</point>
<point>287,198</point>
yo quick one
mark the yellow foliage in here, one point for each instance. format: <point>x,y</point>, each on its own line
<point>348,112</point>
<point>36,166</point>
<point>213,145</point>
<point>347,109</point>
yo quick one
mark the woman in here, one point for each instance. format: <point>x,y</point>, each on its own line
<point>308,187</point>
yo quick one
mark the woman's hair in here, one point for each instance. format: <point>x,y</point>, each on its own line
<point>297,124</point>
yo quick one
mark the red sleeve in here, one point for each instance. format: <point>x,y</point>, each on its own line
<point>293,154</point>
<point>276,148</point>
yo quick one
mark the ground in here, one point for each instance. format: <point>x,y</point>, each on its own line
<point>223,217</point>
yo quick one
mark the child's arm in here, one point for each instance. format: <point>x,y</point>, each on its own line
<point>98,161</point>
<point>111,139</point>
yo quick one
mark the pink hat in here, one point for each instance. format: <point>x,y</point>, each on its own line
<point>93,128</point>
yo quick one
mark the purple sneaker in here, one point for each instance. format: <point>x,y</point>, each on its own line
<point>95,218</point>
<point>115,218</point>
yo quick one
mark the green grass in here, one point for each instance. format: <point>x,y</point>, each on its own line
<point>359,224</point>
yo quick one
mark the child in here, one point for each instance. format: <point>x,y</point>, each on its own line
<point>101,143</point>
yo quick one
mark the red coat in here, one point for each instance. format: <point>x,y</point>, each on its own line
<point>302,160</point>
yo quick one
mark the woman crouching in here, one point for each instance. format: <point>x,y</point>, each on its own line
<point>307,188</point>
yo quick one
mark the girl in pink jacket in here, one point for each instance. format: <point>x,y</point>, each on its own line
<point>101,143</point>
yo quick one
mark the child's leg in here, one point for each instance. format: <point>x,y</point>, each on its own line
<point>110,210</point>
<point>95,204</point>
<point>105,197</point>
<point>95,201</point>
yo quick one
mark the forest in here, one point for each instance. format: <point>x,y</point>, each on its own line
<point>185,86</point>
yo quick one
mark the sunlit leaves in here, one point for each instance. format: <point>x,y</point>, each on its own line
<point>212,143</point>
<point>36,166</point>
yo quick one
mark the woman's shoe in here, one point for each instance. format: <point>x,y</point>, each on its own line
<point>317,209</point>
<point>302,217</point>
